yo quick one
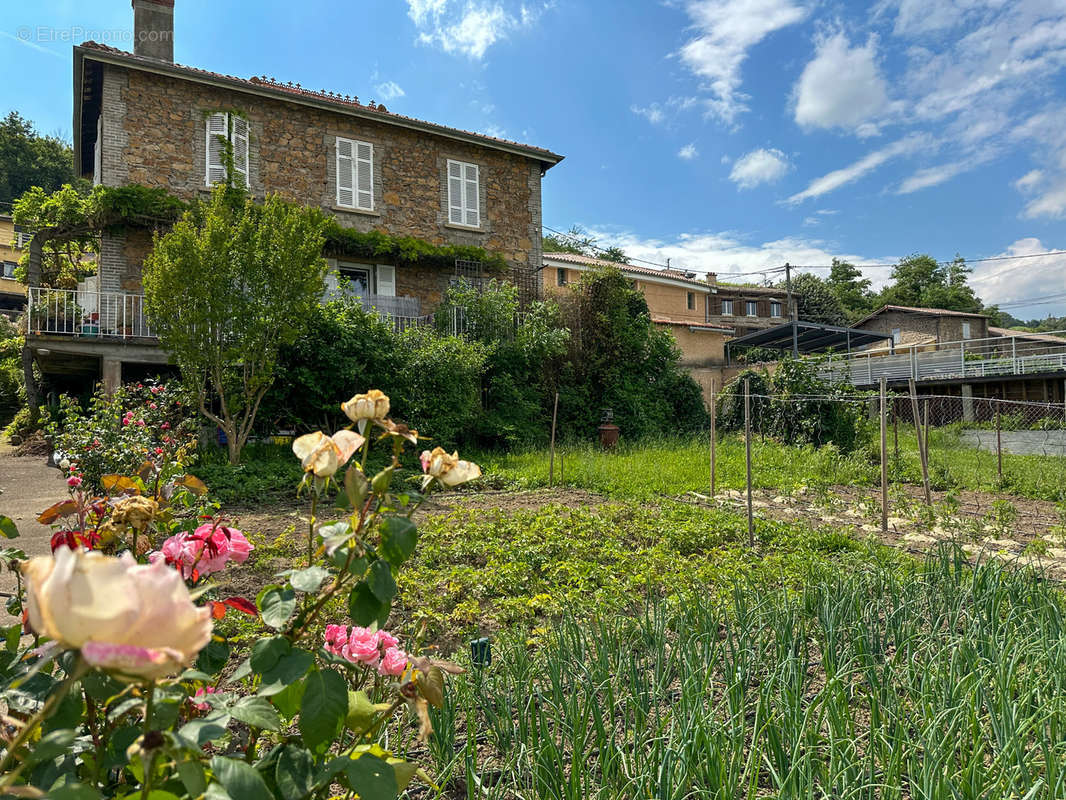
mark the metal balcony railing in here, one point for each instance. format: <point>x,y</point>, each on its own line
<point>996,356</point>
<point>82,312</point>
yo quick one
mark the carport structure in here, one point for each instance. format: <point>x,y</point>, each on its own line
<point>805,337</point>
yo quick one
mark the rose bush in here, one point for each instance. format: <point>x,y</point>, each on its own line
<point>127,690</point>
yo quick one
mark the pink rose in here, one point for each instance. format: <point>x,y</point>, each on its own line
<point>200,693</point>
<point>73,481</point>
<point>386,640</point>
<point>362,646</point>
<point>139,423</point>
<point>394,662</point>
<point>165,426</point>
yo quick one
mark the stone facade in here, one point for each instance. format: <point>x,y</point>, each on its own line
<point>154,133</point>
<point>917,327</point>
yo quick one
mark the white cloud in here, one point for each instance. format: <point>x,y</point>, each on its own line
<point>688,152</point>
<point>759,166</point>
<point>1029,180</point>
<point>725,31</point>
<point>842,87</point>
<point>840,177</point>
<point>653,113</point>
<point>931,176</point>
<point>1050,203</point>
<point>469,28</point>
<point>389,90</point>
<point>1007,281</point>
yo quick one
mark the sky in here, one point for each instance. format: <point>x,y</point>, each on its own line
<point>726,135</point>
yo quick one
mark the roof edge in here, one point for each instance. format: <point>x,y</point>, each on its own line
<point>119,58</point>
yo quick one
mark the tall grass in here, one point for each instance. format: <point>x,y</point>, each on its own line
<point>675,466</point>
<point>945,683</point>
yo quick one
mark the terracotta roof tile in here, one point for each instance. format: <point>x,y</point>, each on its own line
<point>343,101</point>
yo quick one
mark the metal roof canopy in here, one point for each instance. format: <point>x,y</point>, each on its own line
<point>806,337</point>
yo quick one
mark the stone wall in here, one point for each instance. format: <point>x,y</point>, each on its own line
<point>921,327</point>
<point>155,134</point>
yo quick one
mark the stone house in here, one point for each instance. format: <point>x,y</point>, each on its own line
<point>924,327</point>
<point>702,314</point>
<point>139,118</point>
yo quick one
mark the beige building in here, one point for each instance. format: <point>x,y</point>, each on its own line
<point>701,314</point>
<point>12,243</point>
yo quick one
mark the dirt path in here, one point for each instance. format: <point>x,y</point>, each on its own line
<point>27,487</point>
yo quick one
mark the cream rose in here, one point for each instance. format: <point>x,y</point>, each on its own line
<point>372,405</point>
<point>324,455</point>
<point>450,470</point>
<point>135,619</point>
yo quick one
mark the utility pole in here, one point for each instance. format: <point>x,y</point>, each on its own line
<point>792,310</point>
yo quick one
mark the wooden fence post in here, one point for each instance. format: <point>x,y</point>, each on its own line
<point>714,443</point>
<point>999,445</point>
<point>884,454</point>
<point>921,444</point>
<point>551,466</point>
<point>747,458</point>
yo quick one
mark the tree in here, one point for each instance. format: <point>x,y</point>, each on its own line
<point>851,290</point>
<point>28,159</point>
<point>920,280</point>
<point>815,300</point>
<point>229,285</point>
<point>66,259</point>
<point>578,242</point>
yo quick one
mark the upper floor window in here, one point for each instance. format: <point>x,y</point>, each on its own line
<point>355,174</point>
<point>560,276</point>
<point>464,194</point>
<point>775,308</point>
<point>966,330</point>
<point>22,239</point>
<point>752,308</point>
<point>691,300</point>
<point>9,269</point>
<point>727,308</point>
<point>226,131</point>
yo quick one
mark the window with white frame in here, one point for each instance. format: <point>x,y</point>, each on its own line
<point>775,308</point>
<point>226,132</point>
<point>9,269</point>
<point>727,308</point>
<point>464,193</point>
<point>98,152</point>
<point>897,335</point>
<point>355,174</point>
<point>752,308</point>
<point>966,330</point>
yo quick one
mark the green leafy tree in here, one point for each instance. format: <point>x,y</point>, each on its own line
<point>851,290</point>
<point>816,300</point>
<point>231,283</point>
<point>920,280</point>
<point>579,242</point>
<point>28,159</point>
<point>66,258</point>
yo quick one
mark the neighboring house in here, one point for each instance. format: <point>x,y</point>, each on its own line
<point>922,328</point>
<point>12,243</point>
<point>140,118</point>
<point>701,314</point>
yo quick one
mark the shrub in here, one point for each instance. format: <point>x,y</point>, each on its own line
<point>12,391</point>
<point>796,406</point>
<point>118,433</point>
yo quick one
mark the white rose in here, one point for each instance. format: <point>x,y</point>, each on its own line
<point>324,455</point>
<point>362,407</point>
<point>135,619</point>
<point>450,470</point>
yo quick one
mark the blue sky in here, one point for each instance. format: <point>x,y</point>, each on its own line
<point>726,135</point>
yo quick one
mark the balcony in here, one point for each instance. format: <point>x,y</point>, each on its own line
<point>86,313</point>
<point>967,359</point>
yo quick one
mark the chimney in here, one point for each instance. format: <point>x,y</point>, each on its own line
<point>712,278</point>
<point>153,29</point>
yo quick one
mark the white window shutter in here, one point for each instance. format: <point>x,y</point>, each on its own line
<point>345,173</point>
<point>217,132</point>
<point>239,139</point>
<point>364,176</point>
<point>386,274</point>
<point>455,193</point>
<point>98,152</point>
<point>471,199</point>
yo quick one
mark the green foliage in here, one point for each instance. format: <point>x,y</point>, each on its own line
<point>578,241</point>
<point>404,250</point>
<point>225,289</point>
<point>441,382</point>
<point>947,677</point>
<point>117,433</point>
<point>794,405</point>
<point>851,290</point>
<point>28,159</point>
<point>919,280</point>
<point>816,300</point>
<point>622,362</point>
<point>12,390</point>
